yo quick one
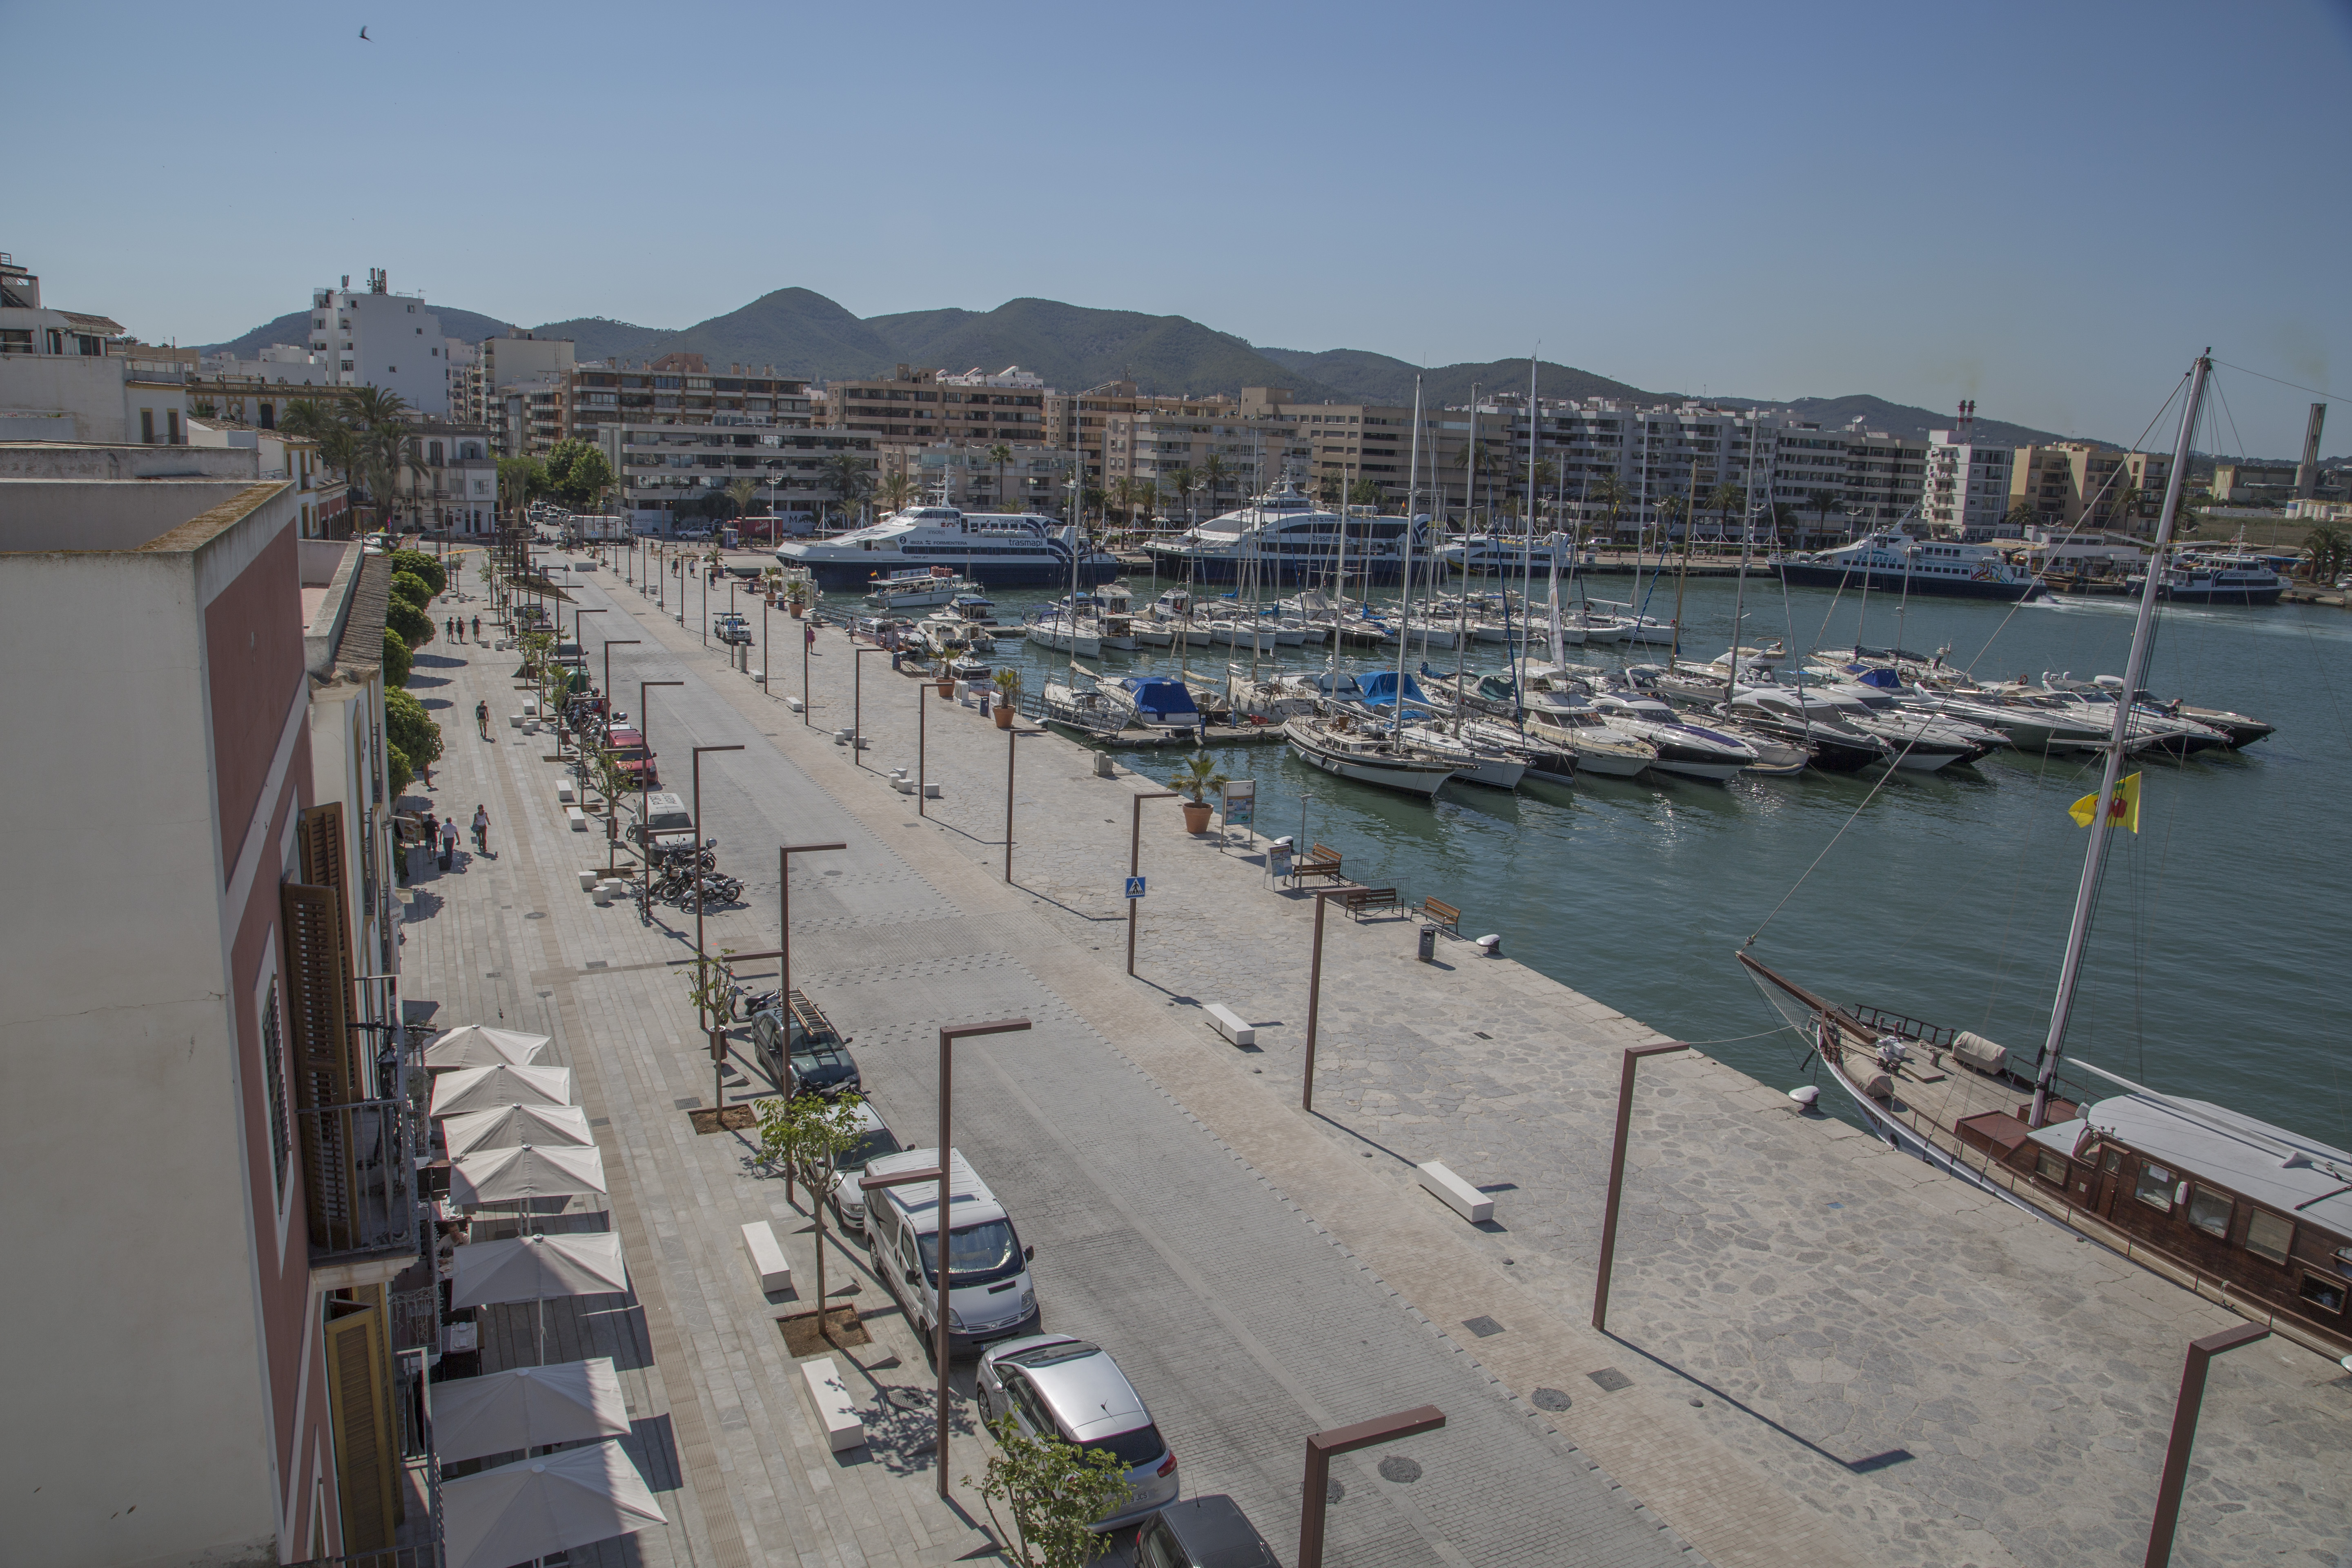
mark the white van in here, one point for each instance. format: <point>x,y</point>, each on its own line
<point>990,1296</point>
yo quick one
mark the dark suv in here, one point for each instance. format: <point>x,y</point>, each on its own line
<point>821,1062</point>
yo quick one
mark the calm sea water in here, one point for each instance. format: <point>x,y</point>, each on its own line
<point>2218,968</point>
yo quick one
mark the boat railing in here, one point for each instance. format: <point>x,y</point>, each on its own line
<point>1930,1035</point>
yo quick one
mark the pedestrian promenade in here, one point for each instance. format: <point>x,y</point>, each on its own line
<point>1821,1352</point>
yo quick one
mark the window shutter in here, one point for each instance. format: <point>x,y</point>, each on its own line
<point>321,836</point>
<point>317,1002</point>
<point>362,1420</point>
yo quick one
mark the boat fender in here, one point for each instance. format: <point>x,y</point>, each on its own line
<point>1807,1098</point>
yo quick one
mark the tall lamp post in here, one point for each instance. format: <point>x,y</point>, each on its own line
<point>857,703</point>
<point>1634,1055</point>
<point>702,963</point>
<point>1323,897</point>
<point>1011,749</point>
<point>948,1037</point>
<point>808,641</point>
<point>784,853</point>
<point>2184,1435</point>
<point>1315,1496</point>
<point>1135,864</point>
<point>644,794</point>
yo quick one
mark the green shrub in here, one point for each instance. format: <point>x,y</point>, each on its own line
<point>397,660</point>
<point>396,765</point>
<point>417,563</point>
<point>411,625</point>
<point>410,728</point>
<point>409,586</point>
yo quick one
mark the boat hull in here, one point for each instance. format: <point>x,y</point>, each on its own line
<point>1038,571</point>
<point>1404,777</point>
<point>1275,572</point>
<point>1799,574</point>
<point>2203,595</point>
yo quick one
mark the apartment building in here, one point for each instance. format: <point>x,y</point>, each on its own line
<point>211,1302</point>
<point>2075,483</point>
<point>667,468</point>
<point>968,476</point>
<point>377,338</point>
<point>1965,488</point>
<point>923,405</point>
<point>680,389</point>
<point>323,497</point>
<point>67,376</point>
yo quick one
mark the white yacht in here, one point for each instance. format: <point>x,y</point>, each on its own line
<point>1355,748</point>
<point>1285,537</point>
<point>2233,579</point>
<point>998,549</point>
<point>1895,562</point>
<point>1486,554</point>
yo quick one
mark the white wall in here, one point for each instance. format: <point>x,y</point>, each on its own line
<point>93,391</point>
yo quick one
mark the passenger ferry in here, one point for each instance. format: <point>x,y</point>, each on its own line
<point>2216,580</point>
<point>1895,563</point>
<point>1508,555</point>
<point>1285,537</point>
<point>998,549</point>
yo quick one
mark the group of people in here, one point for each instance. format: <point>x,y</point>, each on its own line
<point>446,835</point>
<point>454,628</point>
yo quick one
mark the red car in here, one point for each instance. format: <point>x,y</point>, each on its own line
<point>628,748</point>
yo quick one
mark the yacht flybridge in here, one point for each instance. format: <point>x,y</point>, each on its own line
<point>1285,537</point>
<point>998,549</point>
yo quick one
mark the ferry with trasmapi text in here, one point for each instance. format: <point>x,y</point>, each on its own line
<point>999,549</point>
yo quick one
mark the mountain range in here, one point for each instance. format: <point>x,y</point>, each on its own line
<point>802,333</point>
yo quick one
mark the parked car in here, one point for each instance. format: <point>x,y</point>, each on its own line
<point>665,825</point>
<point>1202,1533</point>
<point>1054,1385</point>
<point>988,1293</point>
<point>693,533</point>
<point>635,759</point>
<point>875,1141</point>
<point>821,1062</point>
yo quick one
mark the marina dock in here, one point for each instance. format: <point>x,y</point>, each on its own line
<point>1819,1352</point>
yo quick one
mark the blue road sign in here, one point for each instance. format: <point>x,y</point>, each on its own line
<point>1135,887</point>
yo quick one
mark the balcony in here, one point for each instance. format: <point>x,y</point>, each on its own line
<point>360,1178</point>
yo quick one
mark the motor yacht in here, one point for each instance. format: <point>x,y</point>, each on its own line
<point>1895,562</point>
<point>998,549</point>
<point>1285,537</point>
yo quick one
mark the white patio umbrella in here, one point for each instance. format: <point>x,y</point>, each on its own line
<point>536,1507</point>
<point>479,1045</point>
<point>535,1268</point>
<point>486,1089</point>
<point>508,1126</point>
<point>527,1408</point>
<point>525,1172</point>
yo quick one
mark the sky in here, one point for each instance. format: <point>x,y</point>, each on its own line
<point>2049,208</point>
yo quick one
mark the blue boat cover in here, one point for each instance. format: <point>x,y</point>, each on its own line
<point>1162,701</point>
<point>1381,689</point>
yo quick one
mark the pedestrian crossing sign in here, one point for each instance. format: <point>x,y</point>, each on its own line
<point>1135,887</point>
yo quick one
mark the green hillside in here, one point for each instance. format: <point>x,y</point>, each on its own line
<point>1377,378</point>
<point>596,337</point>
<point>1075,347</point>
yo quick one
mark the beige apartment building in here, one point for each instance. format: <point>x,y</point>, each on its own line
<point>967,475</point>
<point>912,404</point>
<point>2071,483</point>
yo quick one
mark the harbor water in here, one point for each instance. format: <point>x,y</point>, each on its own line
<point>2216,969</point>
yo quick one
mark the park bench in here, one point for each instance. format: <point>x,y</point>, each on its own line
<point>1440,913</point>
<point>1321,862</point>
<point>1360,901</point>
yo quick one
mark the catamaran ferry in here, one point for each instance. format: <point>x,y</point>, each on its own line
<point>999,549</point>
<point>1285,537</point>
<point>1898,564</point>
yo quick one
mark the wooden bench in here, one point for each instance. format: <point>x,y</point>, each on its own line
<point>1359,902</point>
<point>1321,862</point>
<point>1440,913</point>
<point>836,1410</point>
<point>767,1256</point>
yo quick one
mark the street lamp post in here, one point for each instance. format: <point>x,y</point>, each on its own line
<point>857,703</point>
<point>1323,897</point>
<point>784,853</point>
<point>1634,1055</point>
<point>645,794</point>
<point>2184,1435</point>
<point>1011,749</point>
<point>702,963</point>
<point>808,641</point>
<point>948,1037</point>
<point>1135,863</point>
<point>1315,1495</point>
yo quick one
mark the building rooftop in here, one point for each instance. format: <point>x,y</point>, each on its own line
<point>131,516</point>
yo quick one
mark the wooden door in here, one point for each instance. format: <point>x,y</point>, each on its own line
<point>365,1458</point>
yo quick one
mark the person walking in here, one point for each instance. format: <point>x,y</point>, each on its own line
<point>478,629</point>
<point>482,717</point>
<point>448,841</point>
<point>481,830</point>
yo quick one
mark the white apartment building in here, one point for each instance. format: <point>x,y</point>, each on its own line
<point>1965,489</point>
<point>68,376</point>
<point>966,476</point>
<point>378,338</point>
<point>665,467</point>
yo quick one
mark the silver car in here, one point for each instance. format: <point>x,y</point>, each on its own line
<point>1052,1384</point>
<point>873,1143</point>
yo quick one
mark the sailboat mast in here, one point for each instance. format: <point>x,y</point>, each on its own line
<point>1412,487</point>
<point>2086,894</point>
<point>1740,592</point>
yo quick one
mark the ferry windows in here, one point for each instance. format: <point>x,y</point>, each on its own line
<point>2155,1187</point>
<point>2267,1236</point>
<point>2209,1211</point>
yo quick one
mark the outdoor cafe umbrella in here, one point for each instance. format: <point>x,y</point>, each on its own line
<point>527,1408</point>
<point>525,1172</point>
<point>535,1268</point>
<point>479,1045</point>
<point>535,1508</point>
<point>486,1089</point>
<point>509,1125</point>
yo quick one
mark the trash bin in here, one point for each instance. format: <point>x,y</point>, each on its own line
<point>1428,944</point>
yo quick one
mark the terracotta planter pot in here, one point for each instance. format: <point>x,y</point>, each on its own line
<point>798,610</point>
<point>946,688</point>
<point>1005,715</point>
<point>1196,816</point>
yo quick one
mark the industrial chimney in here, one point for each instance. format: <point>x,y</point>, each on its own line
<point>2307,475</point>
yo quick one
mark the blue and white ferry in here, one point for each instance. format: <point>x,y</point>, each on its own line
<point>1893,562</point>
<point>1001,549</point>
<point>1286,538</point>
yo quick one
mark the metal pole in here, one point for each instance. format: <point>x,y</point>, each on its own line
<point>784,853</point>
<point>948,1037</point>
<point>2184,1422</point>
<point>1135,863</point>
<point>857,703</point>
<point>702,963</point>
<point>1634,1055</point>
<point>764,666</point>
<point>644,794</point>
<point>808,641</point>
<point>1313,1498</point>
<point>1315,994</point>
<point>922,747</point>
<point>1011,736</point>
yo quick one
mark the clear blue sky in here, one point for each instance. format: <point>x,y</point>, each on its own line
<point>2048,207</point>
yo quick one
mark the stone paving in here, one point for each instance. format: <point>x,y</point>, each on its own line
<point>1245,1322</point>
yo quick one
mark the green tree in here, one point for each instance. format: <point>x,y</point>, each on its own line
<point>1051,1493</point>
<point>1723,501</point>
<point>1364,492</point>
<point>414,590</point>
<point>397,660</point>
<point>1822,501</point>
<point>743,492</point>
<point>1330,489</point>
<point>2330,548</point>
<point>411,625</point>
<point>578,473</point>
<point>898,490</point>
<point>1613,493</point>
<point>849,477</point>
<point>1196,775</point>
<point>1214,477</point>
<point>372,408</point>
<point>806,1135</point>
<point>1670,511</point>
<point>2021,516</point>
<point>1181,483</point>
<point>1002,456</point>
<point>521,480</point>
<point>419,563</point>
<point>397,769</point>
<point>309,418</point>
<point>407,725</point>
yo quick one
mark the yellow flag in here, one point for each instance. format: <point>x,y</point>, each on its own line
<point>2122,811</point>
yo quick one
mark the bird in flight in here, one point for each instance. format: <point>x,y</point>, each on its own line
<point>363,37</point>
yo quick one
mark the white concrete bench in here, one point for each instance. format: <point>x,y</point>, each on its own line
<point>1456,1193</point>
<point>578,818</point>
<point>836,1411</point>
<point>767,1256</point>
<point>565,792</point>
<point>1231,1025</point>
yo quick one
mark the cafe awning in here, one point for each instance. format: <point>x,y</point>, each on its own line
<point>535,1508</point>
<point>526,1172</point>
<point>527,1408</point>
<point>510,1126</point>
<point>479,1045</point>
<point>487,1088</point>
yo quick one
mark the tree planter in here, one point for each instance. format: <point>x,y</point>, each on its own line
<point>1196,816</point>
<point>1004,715</point>
<point>797,612</point>
<point>946,688</point>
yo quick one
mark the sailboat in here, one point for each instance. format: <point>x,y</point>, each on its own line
<point>2246,1213</point>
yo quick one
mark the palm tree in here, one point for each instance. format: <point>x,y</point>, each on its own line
<point>2330,547</point>
<point>1668,511</point>
<point>743,492</point>
<point>307,417</point>
<point>1723,501</point>
<point>1611,493</point>
<point>1823,501</point>
<point>898,490</point>
<point>850,477</point>
<point>1002,456</point>
<point>1214,475</point>
<point>1475,461</point>
<point>1181,482</point>
<point>374,407</point>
